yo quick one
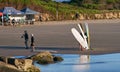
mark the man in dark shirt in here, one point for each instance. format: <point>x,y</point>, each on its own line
<point>25,35</point>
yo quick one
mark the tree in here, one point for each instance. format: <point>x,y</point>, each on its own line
<point>3,1</point>
<point>110,1</point>
<point>87,1</point>
<point>99,1</point>
<point>76,2</point>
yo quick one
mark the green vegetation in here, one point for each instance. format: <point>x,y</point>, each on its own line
<point>65,10</point>
<point>82,6</point>
<point>97,4</point>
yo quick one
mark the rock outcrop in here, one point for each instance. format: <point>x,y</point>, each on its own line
<point>105,15</point>
<point>26,65</point>
<point>20,64</point>
<point>46,58</point>
<point>43,57</point>
<point>109,15</point>
<point>4,67</point>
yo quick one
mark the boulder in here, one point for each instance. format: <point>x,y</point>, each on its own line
<point>12,68</point>
<point>46,58</point>
<point>43,57</point>
<point>119,15</point>
<point>99,16</point>
<point>33,69</point>
<point>8,68</point>
<point>4,59</point>
<point>57,59</point>
<point>23,64</point>
<point>82,17</point>
<point>115,15</point>
<point>44,17</point>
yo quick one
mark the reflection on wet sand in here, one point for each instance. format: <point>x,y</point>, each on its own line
<point>83,64</point>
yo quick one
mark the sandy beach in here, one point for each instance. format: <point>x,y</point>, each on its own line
<point>56,36</point>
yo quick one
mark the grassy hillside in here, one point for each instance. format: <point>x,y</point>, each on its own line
<point>48,6</point>
<point>97,4</point>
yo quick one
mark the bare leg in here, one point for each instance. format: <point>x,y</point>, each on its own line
<point>33,48</point>
<point>81,48</point>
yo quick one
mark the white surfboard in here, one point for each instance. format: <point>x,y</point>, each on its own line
<point>79,38</point>
<point>88,34</point>
<point>84,36</point>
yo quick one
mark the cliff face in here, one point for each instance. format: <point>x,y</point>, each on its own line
<point>107,15</point>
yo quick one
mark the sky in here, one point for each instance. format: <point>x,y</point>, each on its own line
<point>61,0</point>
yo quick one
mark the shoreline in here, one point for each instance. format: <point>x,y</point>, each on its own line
<point>27,52</point>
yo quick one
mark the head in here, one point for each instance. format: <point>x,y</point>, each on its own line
<point>32,35</point>
<point>25,31</point>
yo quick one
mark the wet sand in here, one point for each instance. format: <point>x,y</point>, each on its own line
<point>56,35</point>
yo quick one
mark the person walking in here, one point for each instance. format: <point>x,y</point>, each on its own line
<point>13,22</point>
<point>25,36</point>
<point>32,42</point>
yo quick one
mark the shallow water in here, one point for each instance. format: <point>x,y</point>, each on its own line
<point>84,63</point>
